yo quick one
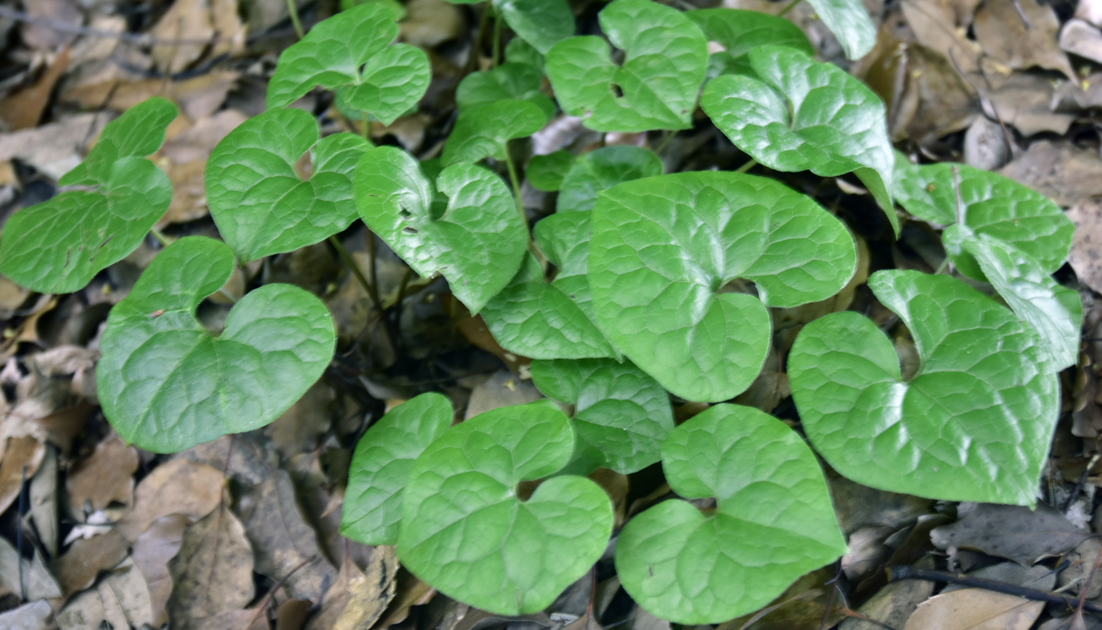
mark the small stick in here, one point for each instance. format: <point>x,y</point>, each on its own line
<point>910,573</point>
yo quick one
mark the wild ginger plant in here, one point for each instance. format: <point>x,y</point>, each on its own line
<point>636,309</point>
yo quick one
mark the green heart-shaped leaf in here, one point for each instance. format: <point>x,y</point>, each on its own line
<point>546,172</point>
<point>541,23</point>
<point>542,320</point>
<point>520,51</point>
<point>602,169</point>
<point>510,81</point>
<point>621,415</point>
<point>657,85</point>
<point>664,247</point>
<point>740,31</point>
<point>479,242</point>
<point>850,22</point>
<point>482,131</point>
<point>773,520</point>
<point>58,246</point>
<point>380,467</point>
<point>836,124</point>
<point>1054,312</point>
<point>167,384</point>
<point>465,532</point>
<point>988,203</point>
<point>353,50</point>
<point>257,198</point>
<point>974,424</point>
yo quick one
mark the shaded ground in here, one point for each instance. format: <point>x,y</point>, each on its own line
<point>242,532</point>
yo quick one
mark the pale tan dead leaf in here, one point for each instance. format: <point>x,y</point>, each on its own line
<point>301,427</point>
<point>247,619</point>
<point>78,567</point>
<point>41,33</point>
<point>264,14</point>
<point>121,599</point>
<point>1086,247</point>
<point>357,599</point>
<point>292,614</point>
<point>213,572</point>
<point>151,554</point>
<point>975,609</point>
<point>29,578</point>
<point>198,97</point>
<point>228,28</point>
<point>23,109</point>
<point>34,616</point>
<point>44,502</point>
<point>802,606</point>
<point>175,487</point>
<point>12,296</point>
<point>1025,101</point>
<point>1075,96</point>
<point>105,477</point>
<point>1089,10</point>
<point>938,27</point>
<point>56,148</point>
<point>91,48</point>
<point>1058,170</point>
<point>410,591</point>
<point>184,20</point>
<point>1013,532</point>
<point>22,455</point>
<point>283,541</point>
<point>432,22</point>
<point>196,142</point>
<point>1021,34</point>
<point>1080,38</point>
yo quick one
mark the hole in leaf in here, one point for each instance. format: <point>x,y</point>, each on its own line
<point>739,285</point>
<point>405,214</point>
<point>617,90</point>
<point>409,230</point>
<point>304,167</point>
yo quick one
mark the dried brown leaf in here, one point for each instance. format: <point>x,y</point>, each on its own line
<point>175,487</point>
<point>121,599</point>
<point>1086,248</point>
<point>1081,38</point>
<point>42,31</point>
<point>184,20</point>
<point>358,599</point>
<point>228,28</point>
<point>78,567</point>
<point>301,427</point>
<point>213,572</point>
<point>34,616</point>
<point>1025,101</point>
<point>249,456</point>
<point>151,554</point>
<point>44,502</point>
<point>105,477</point>
<point>283,541</point>
<point>1058,170</point>
<point>1021,34</point>
<point>1013,532</point>
<point>23,109</point>
<point>198,97</point>
<point>22,456</point>
<point>975,609</point>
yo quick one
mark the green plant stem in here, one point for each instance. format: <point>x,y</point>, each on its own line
<point>791,5</point>
<point>157,234</point>
<point>350,262</point>
<point>496,59</point>
<point>667,136</point>
<point>292,9</point>
<point>516,187</point>
<point>942,267</point>
<point>747,166</point>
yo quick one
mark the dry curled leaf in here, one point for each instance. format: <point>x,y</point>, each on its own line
<point>213,572</point>
<point>175,487</point>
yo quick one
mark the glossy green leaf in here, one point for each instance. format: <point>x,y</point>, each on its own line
<point>479,242</point>
<point>602,169</point>
<point>261,204</point>
<point>664,247</point>
<point>510,81</point>
<point>740,31</point>
<point>806,115</point>
<point>656,86</point>
<point>381,465</point>
<point>541,23</point>
<point>989,204</point>
<point>353,49</point>
<point>546,172</point>
<point>482,131</point>
<point>772,523</point>
<point>58,246</point>
<point>520,51</point>
<point>1055,312</point>
<point>465,532</point>
<point>621,415</point>
<point>167,384</point>
<point>974,424</point>
<point>850,22</point>
<point>555,320</point>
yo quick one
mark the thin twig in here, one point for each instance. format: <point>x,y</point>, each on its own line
<point>910,573</point>
<point>350,262</point>
<point>747,166</point>
<point>1082,481</point>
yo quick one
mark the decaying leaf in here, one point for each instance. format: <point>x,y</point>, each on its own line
<point>175,487</point>
<point>1058,170</point>
<point>44,502</point>
<point>213,572</point>
<point>283,541</point>
<point>1021,34</point>
<point>1013,532</point>
<point>151,554</point>
<point>975,609</point>
<point>358,599</point>
<point>21,458</point>
<point>103,478</point>
<point>185,19</point>
<point>1086,250</point>
<point>121,599</point>
<point>78,567</point>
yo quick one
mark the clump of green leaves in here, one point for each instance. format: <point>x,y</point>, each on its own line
<point>642,284</point>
